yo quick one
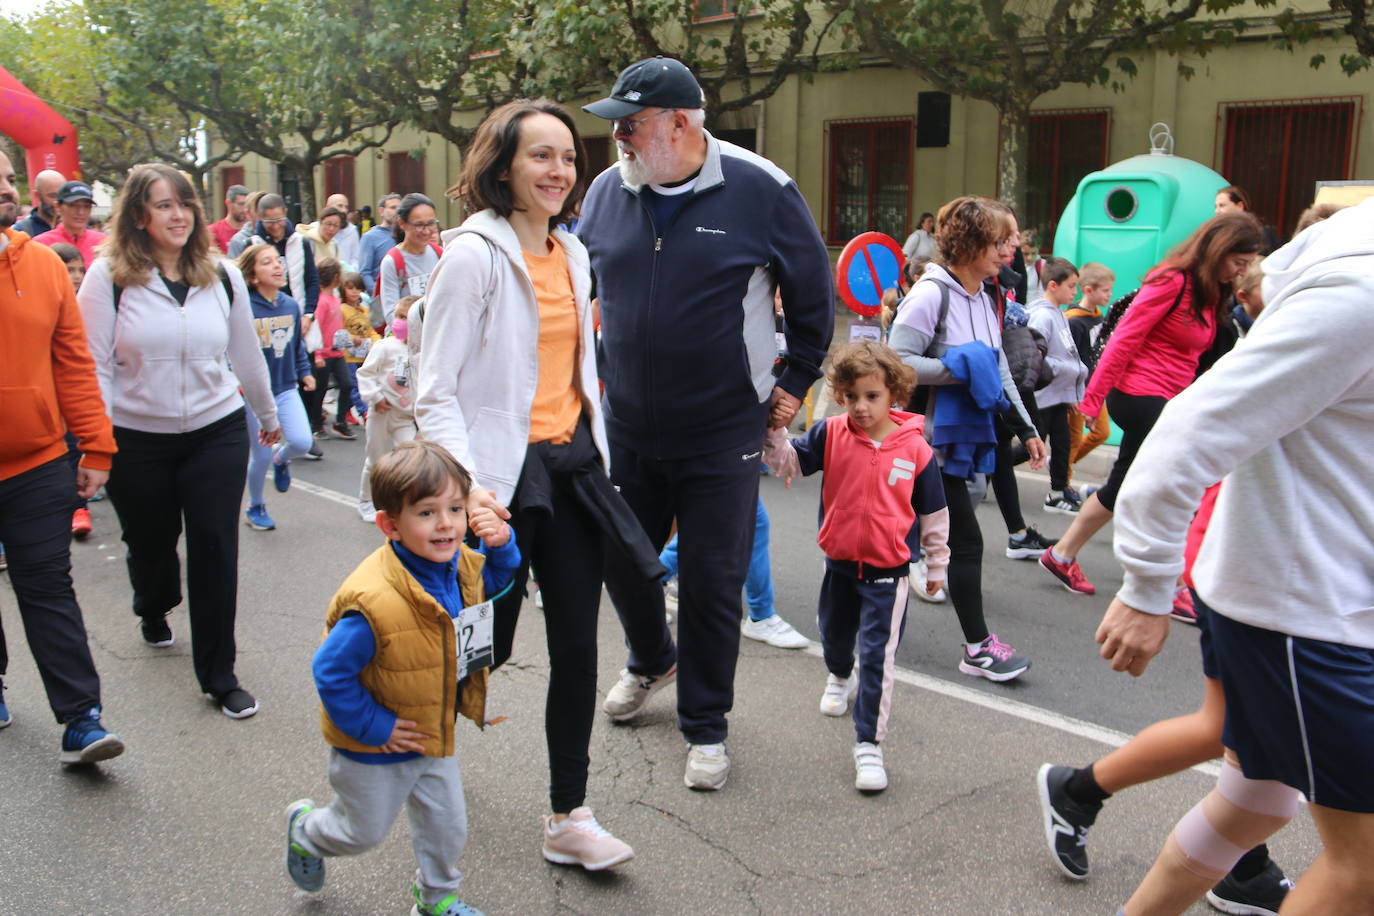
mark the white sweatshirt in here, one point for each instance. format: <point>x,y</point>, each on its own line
<point>379,376</point>
<point>165,367</point>
<point>1288,419</point>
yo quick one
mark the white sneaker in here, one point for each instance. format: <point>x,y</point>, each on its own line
<point>367,511</point>
<point>628,696</point>
<point>775,631</point>
<point>580,840</point>
<point>869,773</point>
<point>707,767</point>
<point>917,581</point>
<point>838,693</point>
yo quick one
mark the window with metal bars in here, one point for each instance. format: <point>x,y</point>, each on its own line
<point>1278,149</point>
<point>1064,146</point>
<point>870,179</point>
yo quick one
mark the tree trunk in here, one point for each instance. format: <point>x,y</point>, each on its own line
<point>1013,152</point>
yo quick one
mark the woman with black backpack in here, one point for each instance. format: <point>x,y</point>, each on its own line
<point>1150,356</point>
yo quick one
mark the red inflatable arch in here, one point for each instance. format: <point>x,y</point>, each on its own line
<point>49,140</point>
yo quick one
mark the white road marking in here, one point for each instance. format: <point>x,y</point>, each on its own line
<point>1083,729</point>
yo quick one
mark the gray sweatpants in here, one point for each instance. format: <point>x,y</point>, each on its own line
<point>367,799</point>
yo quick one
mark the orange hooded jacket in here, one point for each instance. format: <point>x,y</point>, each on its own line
<point>47,377</point>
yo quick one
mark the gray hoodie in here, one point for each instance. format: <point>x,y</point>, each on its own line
<point>1287,417</point>
<point>1070,375</point>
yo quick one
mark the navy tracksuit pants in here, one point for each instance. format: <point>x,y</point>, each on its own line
<point>870,611</point>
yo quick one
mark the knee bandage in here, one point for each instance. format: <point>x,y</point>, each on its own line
<point>1237,815</point>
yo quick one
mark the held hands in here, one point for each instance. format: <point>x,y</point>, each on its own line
<point>780,456</point>
<point>269,438</point>
<point>1131,638</point>
<point>784,409</point>
<point>1035,448</point>
<point>403,739</point>
<point>89,480</point>
<point>308,383</point>
<point>488,526</point>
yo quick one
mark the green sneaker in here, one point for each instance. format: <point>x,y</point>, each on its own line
<point>449,906</point>
<point>305,868</point>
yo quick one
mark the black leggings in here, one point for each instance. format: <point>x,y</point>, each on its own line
<point>1136,415</point>
<point>1010,453</point>
<point>965,560</point>
<point>337,368</point>
<point>1053,426</point>
<point>566,548</point>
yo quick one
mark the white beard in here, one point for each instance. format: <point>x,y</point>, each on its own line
<point>651,165</point>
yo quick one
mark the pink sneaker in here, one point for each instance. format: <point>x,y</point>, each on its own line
<point>1068,573</point>
<point>580,840</point>
<point>1183,607</point>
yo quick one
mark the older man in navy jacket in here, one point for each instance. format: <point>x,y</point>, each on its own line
<point>689,237</point>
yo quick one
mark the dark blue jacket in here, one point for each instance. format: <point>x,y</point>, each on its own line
<point>278,324</point>
<point>687,342</point>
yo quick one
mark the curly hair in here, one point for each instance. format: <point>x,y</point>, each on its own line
<point>966,226</point>
<point>866,357</point>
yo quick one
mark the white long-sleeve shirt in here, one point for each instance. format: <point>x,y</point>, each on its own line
<point>1287,418</point>
<point>380,375</point>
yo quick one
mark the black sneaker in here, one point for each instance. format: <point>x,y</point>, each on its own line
<point>236,704</point>
<point>1066,821</point>
<point>157,632</point>
<point>1065,502</point>
<point>1260,896</point>
<point>314,454</point>
<point>342,431</point>
<point>1029,545</point>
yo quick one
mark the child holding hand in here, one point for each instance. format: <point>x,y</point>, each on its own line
<point>384,382</point>
<point>393,676</point>
<point>882,501</point>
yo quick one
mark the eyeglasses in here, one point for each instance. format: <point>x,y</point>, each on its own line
<point>273,222</point>
<point>425,227</point>
<point>627,126</point>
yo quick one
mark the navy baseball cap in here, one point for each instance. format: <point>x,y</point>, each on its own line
<point>658,82</point>
<point>74,190</point>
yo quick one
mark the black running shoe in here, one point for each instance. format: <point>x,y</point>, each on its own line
<point>157,632</point>
<point>1029,545</point>
<point>236,704</point>
<point>1066,821</point>
<point>1262,895</point>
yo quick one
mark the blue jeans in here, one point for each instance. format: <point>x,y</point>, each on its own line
<point>295,442</point>
<point>758,585</point>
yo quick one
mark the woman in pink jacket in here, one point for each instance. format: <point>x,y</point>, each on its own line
<point>1152,356</point>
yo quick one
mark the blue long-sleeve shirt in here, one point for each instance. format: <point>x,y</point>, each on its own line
<point>350,646</point>
<point>375,243</point>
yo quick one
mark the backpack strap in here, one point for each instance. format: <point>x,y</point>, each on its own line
<point>941,319</point>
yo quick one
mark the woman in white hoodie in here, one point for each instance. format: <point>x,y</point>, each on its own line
<point>508,383</point>
<point>165,318</point>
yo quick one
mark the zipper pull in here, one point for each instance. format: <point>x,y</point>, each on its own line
<point>658,244</point>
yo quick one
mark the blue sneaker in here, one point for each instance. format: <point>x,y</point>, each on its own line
<point>257,518</point>
<point>281,476</point>
<point>305,868</point>
<point>86,741</point>
<point>449,906</point>
<point>5,717</point>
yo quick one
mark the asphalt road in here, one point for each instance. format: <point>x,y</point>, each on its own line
<point>189,819</point>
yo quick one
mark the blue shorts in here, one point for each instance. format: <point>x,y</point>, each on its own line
<point>1299,711</point>
<point>1204,642</point>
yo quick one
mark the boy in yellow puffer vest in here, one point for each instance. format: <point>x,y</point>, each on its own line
<point>406,648</point>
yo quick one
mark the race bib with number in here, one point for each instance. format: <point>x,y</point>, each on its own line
<point>417,285</point>
<point>474,636</point>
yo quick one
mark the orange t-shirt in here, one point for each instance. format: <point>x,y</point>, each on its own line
<point>557,405</point>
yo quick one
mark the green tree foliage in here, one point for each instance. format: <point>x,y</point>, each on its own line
<point>267,78</point>
<point>59,54</point>
<point>1011,52</point>
<point>739,59</point>
<point>1351,17</point>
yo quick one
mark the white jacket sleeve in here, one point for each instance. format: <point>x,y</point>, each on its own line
<point>1299,360</point>
<point>245,353</point>
<point>96,300</point>
<point>452,324</point>
<point>371,373</point>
